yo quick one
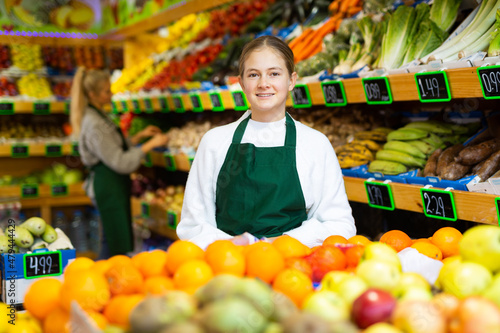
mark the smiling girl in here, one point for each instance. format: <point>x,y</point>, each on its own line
<point>265,174</point>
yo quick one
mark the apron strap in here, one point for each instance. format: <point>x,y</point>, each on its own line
<point>290,137</point>
<point>240,130</point>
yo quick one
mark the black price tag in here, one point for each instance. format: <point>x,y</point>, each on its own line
<point>74,149</point>
<point>145,210</point>
<point>240,101</point>
<point>163,104</point>
<point>6,108</point>
<point>53,150</point>
<point>172,219</point>
<point>66,107</point>
<point>497,201</point>
<point>136,106</point>
<point>59,190</point>
<point>148,104</point>
<point>379,195</point>
<point>489,77</point>
<point>41,108</point>
<point>29,191</point>
<point>334,94</point>
<point>114,107</point>
<point>377,90</point>
<point>42,264</point>
<point>190,160</point>
<point>438,204</point>
<point>170,162</point>
<point>433,87</point>
<point>124,105</point>
<point>301,97</point>
<point>196,102</point>
<point>19,150</point>
<point>216,100</point>
<point>147,160</point>
<point>178,103</point>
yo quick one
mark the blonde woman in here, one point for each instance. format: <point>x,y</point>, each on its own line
<point>109,155</point>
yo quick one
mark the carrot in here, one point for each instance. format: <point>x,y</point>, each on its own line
<point>353,10</point>
<point>334,6</point>
<point>314,44</point>
<point>346,4</point>
<point>300,38</point>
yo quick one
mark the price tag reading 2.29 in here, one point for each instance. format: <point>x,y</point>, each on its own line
<point>377,90</point>
<point>490,81</point>
<point>438,204</point>
<point>334,94</point>
<point>301,97</point>
<point>42,264</point>
<point>433,87</point>
<point>379,195</point>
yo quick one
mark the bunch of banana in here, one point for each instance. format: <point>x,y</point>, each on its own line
<point>378,134</point>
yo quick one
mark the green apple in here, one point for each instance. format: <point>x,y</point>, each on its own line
<point>446,269</point>
<point>381,251</point>
<point>466,278</point>
<point>379,274</point>
<point>327,304</point>
<point>416,293</point>
<point>410,280</point>
<point>416,316</point>
<point>349,289</point>
<point>332,279</point>
<point>481,244</point>
<point>382,328</point>
<point>493,291</point>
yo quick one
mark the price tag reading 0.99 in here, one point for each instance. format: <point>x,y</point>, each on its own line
<point>379,195</point>
<point>490,81</point>
<point>438,204</point>
<point>334,93</point>
<point>377,90</point>
<point>42,264</point>
<point>433,87</point>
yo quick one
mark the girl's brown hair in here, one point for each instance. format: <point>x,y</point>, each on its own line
<point>84,82</point>
<point>275,44</point>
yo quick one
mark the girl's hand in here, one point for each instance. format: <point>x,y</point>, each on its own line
<point>150,131</point>
<point>156,141</point>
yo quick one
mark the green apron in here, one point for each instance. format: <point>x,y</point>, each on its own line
<point>112,194</point>
<point>258,188</point>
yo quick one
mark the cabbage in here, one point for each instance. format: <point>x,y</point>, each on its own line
<point>72,176</point>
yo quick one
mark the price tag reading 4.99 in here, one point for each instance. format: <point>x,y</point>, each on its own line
<point>433,87</point>
<point>438,204</point>
<point>377,90</point>
<point>379,195</point>
<point>334,94</point>
<point>42,264</point>
<point>301,97</point>
<point>490,81</point>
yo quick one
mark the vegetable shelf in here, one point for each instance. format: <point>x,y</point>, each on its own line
<point>172,162</point>
<point>155,218</point>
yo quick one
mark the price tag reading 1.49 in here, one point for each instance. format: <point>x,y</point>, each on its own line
<point>438,204</point>
<point>6,108</point>
<point>42,264</point>
<point>490,81</point>
<point>301,97</point>
<point>379,195</point>
<point>377,90</point>
<point>334,94</point>
<point>216,100</point>
<point>433,87</point>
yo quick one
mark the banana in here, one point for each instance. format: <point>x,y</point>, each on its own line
<point>370,144</point>
<point>371,135</point>
<point>431,126</point>
<point>385,130</point>
<point>424,147</point>
<point>405,147</point>
<point>406,134</point>
<point>403,158</point>
<point>457,129</point>
<point>351,159</point>
<point>355,148</point>
<point>387,167</point>
<point>451,140</point>
<point>436,144</point>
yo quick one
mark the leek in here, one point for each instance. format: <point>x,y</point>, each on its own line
<point>444,13</point>
<point>428,38</point>
<point>494,48</point>
<point>345,66</point>
<point>372,32</point>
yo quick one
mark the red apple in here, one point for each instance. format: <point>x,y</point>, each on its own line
<point>372,306</point>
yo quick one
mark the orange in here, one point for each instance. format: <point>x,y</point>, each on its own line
<point>290,247</point>
<point>225,258</point>
<point>248,248</point>
<point>359,240</point>
<point>119,259</point>
<point>424,240</point>
<point>335,239</point>
<point>428,249</point>
<point>325,259</point>
<point>42,297</point>
<point>153,263</point>
<point>300,264</point>
<point>157,285</point>
<point>180,252</point>
<point>192,275</point>
<point>264,262</point>
<point>118,310</point>
<point>99,319</point>
<point>396,239</point>
<point>101,266</point>
<point>90,289</point>
<point>57,322</point>
<point>124,279</point>
<point>448,241</point>
<point>353,255</point>
<point>293,283</point>
<point>138,258</point>
<point>80,263</point>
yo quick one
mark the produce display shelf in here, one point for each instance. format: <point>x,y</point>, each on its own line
<point>156,220</point>
<point>24,107</point>
<point>181,161</point>
<point>162,18</point>
<point>37,149</point>
<point>470,206</point>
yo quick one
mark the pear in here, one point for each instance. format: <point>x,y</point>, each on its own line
<point>220,286</point>
<point>4,244</point>
<point>23,238</point>
<point>258,293</point>
<point>49,235</point>
<point>35,225</point>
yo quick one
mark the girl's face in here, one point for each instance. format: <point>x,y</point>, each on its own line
<point>266,83</point>
<point>102,95</point>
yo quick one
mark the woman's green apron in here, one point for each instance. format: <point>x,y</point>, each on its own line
<point>112,194</point>
<point>258,188</point>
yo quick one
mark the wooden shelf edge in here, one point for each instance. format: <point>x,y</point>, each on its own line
<point>26,107</point>
<point>35,149</point>
<point>157,222</point>
<point>182,161</point>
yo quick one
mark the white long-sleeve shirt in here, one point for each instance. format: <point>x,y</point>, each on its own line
<point>328,211</point>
